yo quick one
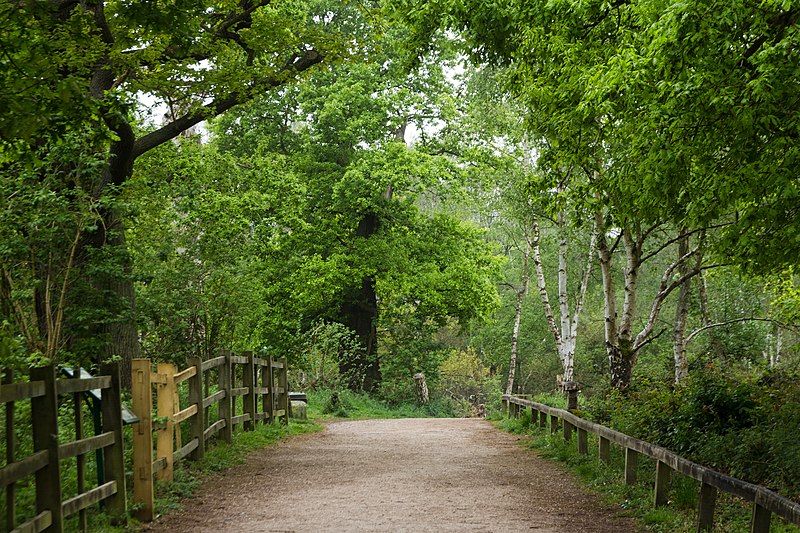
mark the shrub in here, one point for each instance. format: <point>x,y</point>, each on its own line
<point>468,383</point>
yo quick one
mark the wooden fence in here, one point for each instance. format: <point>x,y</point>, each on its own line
<point>44,463</point>
<point>215,382</point>
<point>765,502</point>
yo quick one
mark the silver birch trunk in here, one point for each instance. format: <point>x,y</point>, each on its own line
<point>565,332</point>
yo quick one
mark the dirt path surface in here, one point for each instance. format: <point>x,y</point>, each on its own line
<point>395,475</point>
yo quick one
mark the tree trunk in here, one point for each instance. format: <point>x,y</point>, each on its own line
<point>621,359</point>
<point>119,297</point>
<point>681,315</point>
<point>422,389</point>
<point>521,292</point>
<point>362,370</point>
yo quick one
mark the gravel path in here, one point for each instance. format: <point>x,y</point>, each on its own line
<point>395,475</point>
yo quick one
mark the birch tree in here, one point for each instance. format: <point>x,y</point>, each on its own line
<point>565,329</point>
<point>623,339</point>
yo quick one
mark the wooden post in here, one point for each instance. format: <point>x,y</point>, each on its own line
<point>142,394</point>
<point>542,419</point>
<point>165,444</point>
<point>249,381</point>
<point>504,406</point>
<point>198,423</point>
<point>761,519</point>
<point>225,402</point>
<point>706,507</point>
<point>206,393</point>
<point>583,441</point>
<point>572,388</point>
<point>268,400</point>
<point>11,443</point>
<point>44,413</point>
<point>567,430</point>
<point>631,462</point>
<point>604,450</point>
<point>285,384</point>
<point>553,424</point>
<point>661,492</point>
<point>114,455</point>
<point>176,404</point>
<point>80,459</point>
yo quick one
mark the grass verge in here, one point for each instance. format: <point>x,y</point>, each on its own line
<point>636,501</point>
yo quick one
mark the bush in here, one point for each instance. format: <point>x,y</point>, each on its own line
<point>323,346</point>
<point>468,383</point>
<point>727,420</point>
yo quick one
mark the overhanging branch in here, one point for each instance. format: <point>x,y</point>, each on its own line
<point>171,130</point>
<point>728,322</point>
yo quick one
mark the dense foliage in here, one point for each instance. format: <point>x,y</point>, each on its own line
<point>491,194</point>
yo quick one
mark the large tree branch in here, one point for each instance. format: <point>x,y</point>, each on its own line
<point>173,129</point>
<point>633,254</point>
<point>676,239</point>
<point>664,290</point>
<point>696,332</point>
<point>584,283</point>
<point>540,282</point>
<point>609,296</point>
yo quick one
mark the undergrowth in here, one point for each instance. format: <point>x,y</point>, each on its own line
<point>330,405</point>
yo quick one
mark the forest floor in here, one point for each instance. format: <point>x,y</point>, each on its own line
<point>395,475</point>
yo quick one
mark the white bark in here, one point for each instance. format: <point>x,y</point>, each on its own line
<point>565,332</point>
<point>542,285</point>
<point>607,272</point>
<point>621,344</point>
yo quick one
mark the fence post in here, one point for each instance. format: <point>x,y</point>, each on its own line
<point>567,430</point>
<point>553,424</point>
<point>761,518</point>
<point>176,405</point>
<point>583,441</point>
<point>706,506</point>
<point>660,496</point>
<point>113,456</point>
<point>249,381</point>
<point>604,449</point>
<point>142,393</point>
<point>631,462</point>
<point>504,406</point>
<point>268,400</point>
<point>198,423</point>
<point>11,438</point>
<point>225,403</point>
<point>542,419</point>
<point>285,384</point>
<point>44,412</point>
<point>165,401</point>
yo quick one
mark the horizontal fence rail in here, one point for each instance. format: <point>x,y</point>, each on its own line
<point>43,391</point>
<point>213,387</point>
<point>765,502</point>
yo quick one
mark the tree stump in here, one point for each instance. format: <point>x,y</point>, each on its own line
<point>422,389</point>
